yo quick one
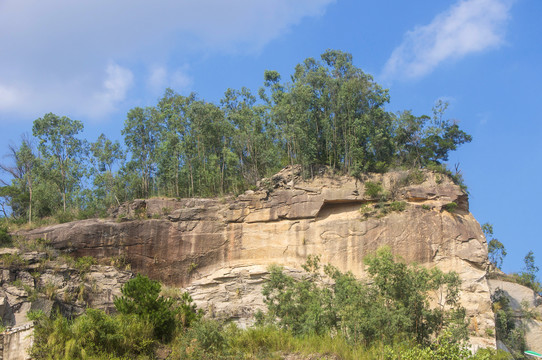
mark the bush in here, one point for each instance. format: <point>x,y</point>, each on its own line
<point>398,206</point>
<point>374,190</point>
<point>141,297</point>
<point>5,236</point>
<point>450,207</point>
<point>393,304</point>
<point>508,330</point>
<point>84,263</point>
<point>92,335</point>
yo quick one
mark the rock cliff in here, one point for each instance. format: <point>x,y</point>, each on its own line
<point>219,249</point>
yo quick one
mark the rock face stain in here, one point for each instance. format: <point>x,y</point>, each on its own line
<point>220,249</point>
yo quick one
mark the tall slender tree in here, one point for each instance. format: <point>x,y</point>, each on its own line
<point>62,151</point>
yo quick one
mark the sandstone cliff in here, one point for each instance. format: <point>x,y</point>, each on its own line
<point>219,249</point>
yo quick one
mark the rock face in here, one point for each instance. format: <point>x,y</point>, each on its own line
<point>41,283</point>
<point>220,249</point>
<point>519,296</point>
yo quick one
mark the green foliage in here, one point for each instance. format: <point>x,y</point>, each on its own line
<point>450,207</point>
<point>509,329</point>
<point>495,249</point>
<point>61,151</point>
<point>398,206</point>
<point>5,236</point>
<point>141,298</point>
<point>329,113</point>
<point>394,304</point>
<point>92,335</point>
<point>14,260</point>
<point>413,177</point>
<point>374,190</point>
<point>528,276</point>
<point>83,264</point>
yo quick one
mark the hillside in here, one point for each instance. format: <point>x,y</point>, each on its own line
<point>220,249</point>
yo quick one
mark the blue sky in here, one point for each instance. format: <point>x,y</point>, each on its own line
<point>95,60</point>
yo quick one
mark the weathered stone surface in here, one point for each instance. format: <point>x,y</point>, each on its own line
<point>518,295</point>
<point>56,285</point>
<point>283,222</point>
<point>17,342</point>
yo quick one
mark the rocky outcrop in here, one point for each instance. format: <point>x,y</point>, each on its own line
<point>46,282</point>
<point>523,299</point>
<point>219,249</point>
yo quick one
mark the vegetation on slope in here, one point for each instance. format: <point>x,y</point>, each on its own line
<point>387,317</point>
<point>329,113</point>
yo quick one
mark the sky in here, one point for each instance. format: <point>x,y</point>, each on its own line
<point>93,60</point>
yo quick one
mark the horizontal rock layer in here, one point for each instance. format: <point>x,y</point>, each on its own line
<point>220,248</point>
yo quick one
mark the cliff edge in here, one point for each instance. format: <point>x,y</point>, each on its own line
<point>219,249</point>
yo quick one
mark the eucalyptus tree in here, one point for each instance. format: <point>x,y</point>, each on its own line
<point>332,113</point>
<point>141,132</point>
<point>105,155</point>
<point>212,164</point>
<point>19,192</point>
<point>253,135</point>
<point>173,109</point>
<point>62,152</point>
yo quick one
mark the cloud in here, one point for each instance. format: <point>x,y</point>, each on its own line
<point>53,53</point>
<point>160,78</point>
<point>115,86</point>
<point>469,26</point>
<point>9,97</point>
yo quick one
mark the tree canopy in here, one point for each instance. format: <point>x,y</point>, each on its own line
<point>329,113</point>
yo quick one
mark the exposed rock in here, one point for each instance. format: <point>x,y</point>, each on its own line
<point>520,296</point>
<point>55,285</point>
<point>220,250</point>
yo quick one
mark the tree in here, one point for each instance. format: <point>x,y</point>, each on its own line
<point>528,275</point>
<point>252,135</point>
<point>105,154</point>
<point>61,151</point>
<point>495,248</point>
<point>394,303</point>
<point>172,157</point>
<point>24,172</point>
<point>142,135</point>
<point>141,296</point>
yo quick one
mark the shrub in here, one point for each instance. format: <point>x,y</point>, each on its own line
<point>450,207</point>
<point>373,190</point>
<point>414,177</point>
<point>84,263</point>
<point>393,304</point>
<point>141,297</point>
<point>398,206</point>
<point>93,335</point>
<point>13,260</point>
<point>5,236</point>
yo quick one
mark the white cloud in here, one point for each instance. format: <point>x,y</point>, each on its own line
<point>9,97</point>
<point>160,78</point>
<point>469,26</point>
<point>54,52</point>
<point>115,86</point>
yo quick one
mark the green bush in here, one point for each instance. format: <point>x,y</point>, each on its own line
<point>84,263</point>
<point>93,335</point>
<point>373,190</point>
<point>141,297</point>
<point>393,304</point>
<point>5,236</point>
<point>508,330</point>
<point>450,207</point>
<point>12,260</point>
<point>398,206</point>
